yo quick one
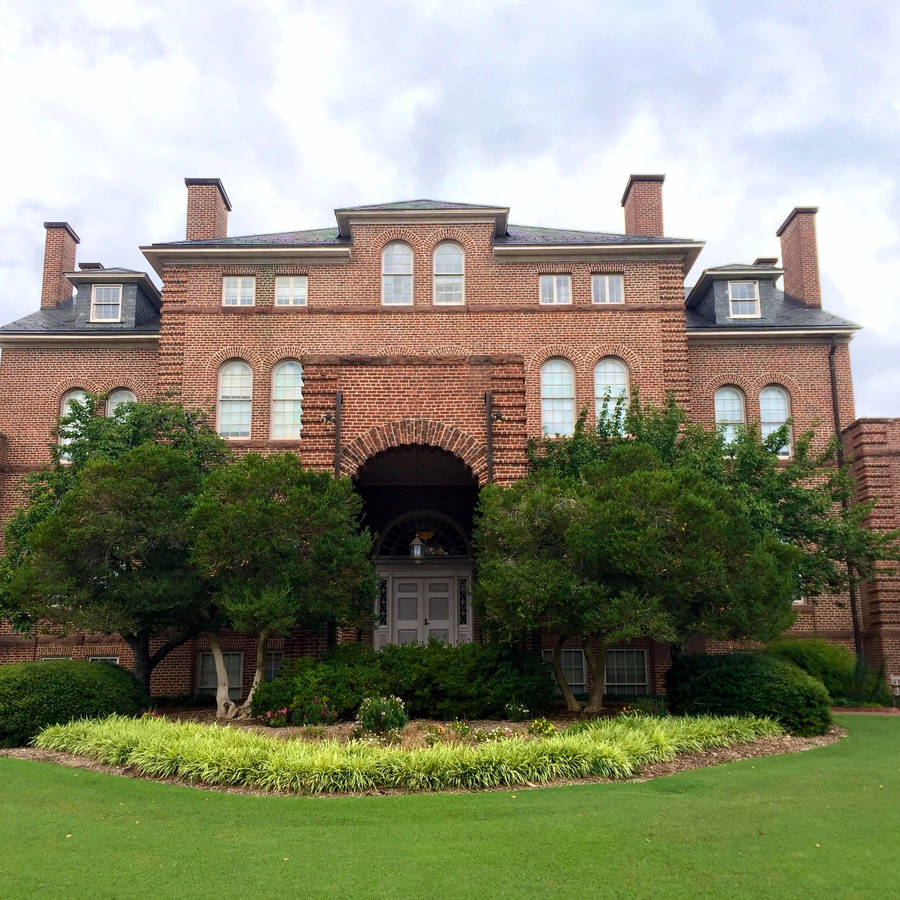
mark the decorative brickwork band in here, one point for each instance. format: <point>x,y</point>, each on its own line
<point>409,432</point>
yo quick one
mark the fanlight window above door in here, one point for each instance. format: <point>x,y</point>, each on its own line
<point>441,537</point>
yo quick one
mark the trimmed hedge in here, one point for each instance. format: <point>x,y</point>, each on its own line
<point>849,681</point>
<point>749,684</point>
<point>435,680</point>
<point>209,754</point>
<point>36,694</point>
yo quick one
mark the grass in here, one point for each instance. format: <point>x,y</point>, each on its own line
<point>818,824</point>
<point>209,754</point>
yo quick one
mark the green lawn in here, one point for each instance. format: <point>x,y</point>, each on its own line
<point>825,823</point>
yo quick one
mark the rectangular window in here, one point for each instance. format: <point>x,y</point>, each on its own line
<point>112,660</point>
<point>556,289</point>
<point>51,658</point>
<point>238,290</point>
<point>206,674</point>
<point>607,289</point>
<point>274,658</point>
<point>626,672</point>
<point>290,290</point>
<point>106,303</point>
<point>744,299</point>
<point>573,666</point>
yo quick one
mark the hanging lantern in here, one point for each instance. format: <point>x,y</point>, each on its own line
<point>416,550</point>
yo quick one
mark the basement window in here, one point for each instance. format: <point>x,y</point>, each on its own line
<point>106,303</point>
<point>743,297</point>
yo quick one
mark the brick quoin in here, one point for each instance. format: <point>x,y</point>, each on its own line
<point>417,376</point>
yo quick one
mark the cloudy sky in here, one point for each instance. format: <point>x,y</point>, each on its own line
<point>749,108</point>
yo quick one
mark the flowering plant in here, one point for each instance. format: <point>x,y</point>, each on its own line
<point>314,712</point>
<point>516,712</point>
<point>276,718</point>
<point>382,714</point>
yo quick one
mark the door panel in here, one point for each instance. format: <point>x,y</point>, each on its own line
<point>437,602</point>
<point>408,622</point>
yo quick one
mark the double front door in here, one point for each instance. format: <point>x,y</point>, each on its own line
<point>417,606</point>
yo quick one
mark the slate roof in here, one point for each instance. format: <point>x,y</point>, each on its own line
<point>312,237</point>
<point>418,204</point>
<point>788,314</point>
<point>531,234</point>
<point>61,320</point>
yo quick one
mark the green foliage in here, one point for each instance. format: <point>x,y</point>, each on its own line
<point>516,712</point>
<point>311,711</point>
<point>382,714</point>
<point>542,728</point>
<point>472,681</point>
<point>281,544</point>
<point>613,748</point>
<point>849,681</point>
<point>749,684</point>
<point>36,694</point>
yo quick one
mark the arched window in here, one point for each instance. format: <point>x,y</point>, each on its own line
<point>774,411</point>
<point>729,412</point>
<point>610,385</point>
<point>557,397</point>
<point>287,400</point>
<point>396,274</point>
<point>235,399</point>
<point>76,395</point>
<point>449,274</point>
<point>117,398</point>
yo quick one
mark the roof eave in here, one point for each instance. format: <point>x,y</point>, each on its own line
<point>688,250</point>
<point>785,331</point>
<point>158,255</point>
<point>39,338</point>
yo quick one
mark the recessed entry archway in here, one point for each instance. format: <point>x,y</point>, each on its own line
<point>423,494</point>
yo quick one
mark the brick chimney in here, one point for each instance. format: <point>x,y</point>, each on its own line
<point>799,257</point>
<point>59,258</point>
<point>207,209</point>
<point>643,205</point>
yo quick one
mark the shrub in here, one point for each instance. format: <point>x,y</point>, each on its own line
<point>515,711</point>
<point>610,748</point>
<point>749,684</point>
<point>435,680</point>
<point>847,679</point>
<point>314,710</point>
<point>381,714</point>
<point>542,728</point>
<point>36,694</point>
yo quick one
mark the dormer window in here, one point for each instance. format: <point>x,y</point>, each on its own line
<point>106,303</point>
<point>743,298</point>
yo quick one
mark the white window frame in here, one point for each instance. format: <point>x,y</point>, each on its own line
<point>271,671</point>
<point>785,451</point>
<point>410,275</point>
<point>275,399</point>
<point>577,687</point>
<point>730,423</point>
<point>235,691</point>
<point>573,398</point>
<point>598,278</point>
<point>111,660</point>
<point>95,304</point>
<point>645,684</point>
<point>63,411</point>
<point>613,399</point>
<point>241,283</point>
<point>219,401</point>
<point>110,407</point>
<point>53,658</point>
<point>294,281</point>
<point>755,299</point>
<point>461,275</point>
<point>555,278</point>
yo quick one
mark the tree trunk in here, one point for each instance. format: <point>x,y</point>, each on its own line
<point>596,662</point>
<point>225,707</point>
<point>143,666</point>
<point>572,705</point>
<point>264,635</point>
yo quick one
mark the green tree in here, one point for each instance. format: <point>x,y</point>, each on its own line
<point>630,547</point>
<point>90,438</point>
<point>113,555</point>
<point>281,545</point>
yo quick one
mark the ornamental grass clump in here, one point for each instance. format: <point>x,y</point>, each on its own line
<point>217,755</point>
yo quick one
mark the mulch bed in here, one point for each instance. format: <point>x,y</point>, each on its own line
<point>751,750</point>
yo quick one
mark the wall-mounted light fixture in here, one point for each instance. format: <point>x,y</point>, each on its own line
<point>416,550</point>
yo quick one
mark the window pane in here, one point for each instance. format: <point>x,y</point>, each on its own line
<point>616,285</point>
<point>448,289</point>
<point>774,410</point>
<point>729,403</point>
<point>397,259</point>
<point>610,384</point>
<point>287,400</point>
<point>273,664</point>
<point>547,289</point>
<point>235,394</point>
<point>626,672</point>
<point>448,260</point>
<point>562,289</point>
<point>558,397</point>
<point>290,291</point>
<point>398,289</point>
<point>607,288</point>
<point>117,399</point>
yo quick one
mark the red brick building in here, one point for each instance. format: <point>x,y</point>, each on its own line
<point>415,347</point>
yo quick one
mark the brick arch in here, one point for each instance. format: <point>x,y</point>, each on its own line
<point>626,354</point>
<point>234,351</point>
<point>65,385</point>
<point>127,382</point>
<point>398,233</point>
<point>771,378</point>
<point>457,235</point>
<point>413,350</point>
<point>284,352</point>
<point>406,432</point>
<point>729,379</point>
